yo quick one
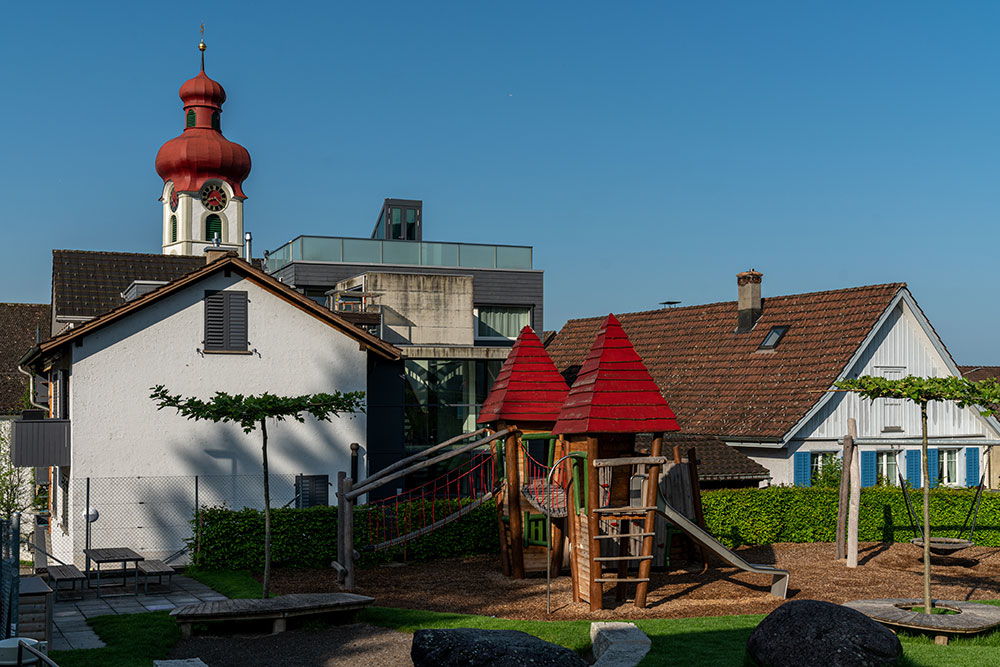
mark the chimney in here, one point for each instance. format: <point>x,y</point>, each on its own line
<point>748,306</point>
<point>214,252</point>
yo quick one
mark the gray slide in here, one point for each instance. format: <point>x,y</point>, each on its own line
<point>779,580</point>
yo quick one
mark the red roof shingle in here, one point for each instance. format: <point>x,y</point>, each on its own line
<point>528,388</point>
<point>614,393</point>
<point>717,380</point>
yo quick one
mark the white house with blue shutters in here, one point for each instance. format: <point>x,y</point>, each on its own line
<point>964,445</point>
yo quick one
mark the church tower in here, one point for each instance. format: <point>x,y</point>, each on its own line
<point>203,174</point>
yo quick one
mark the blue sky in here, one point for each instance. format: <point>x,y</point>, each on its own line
<point>648,151</point>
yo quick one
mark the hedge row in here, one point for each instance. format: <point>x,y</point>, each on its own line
<point>234,539</point>
<point>308,537</point>
<point>801,514</point>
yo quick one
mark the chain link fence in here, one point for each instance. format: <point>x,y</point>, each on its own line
<point>156,516</point>
<point>10,555</point>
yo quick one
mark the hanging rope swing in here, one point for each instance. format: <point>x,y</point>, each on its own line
<point>945,546</point>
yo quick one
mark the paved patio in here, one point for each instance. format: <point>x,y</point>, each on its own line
<point>69,617</point>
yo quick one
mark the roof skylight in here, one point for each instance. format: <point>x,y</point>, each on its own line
<point>772,338</point>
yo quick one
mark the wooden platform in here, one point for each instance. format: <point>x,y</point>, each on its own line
<point>276,609</point>
<point>972,617</point>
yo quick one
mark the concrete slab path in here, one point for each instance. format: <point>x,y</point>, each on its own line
<point>69,617</point>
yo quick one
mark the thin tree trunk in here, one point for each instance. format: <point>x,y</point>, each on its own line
<point>927,512</point>
<point>267,516</point>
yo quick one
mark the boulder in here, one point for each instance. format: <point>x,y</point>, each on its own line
<point>810,632</point>
<point>479,648</point>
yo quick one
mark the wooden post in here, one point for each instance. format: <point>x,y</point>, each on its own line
<point>649,525</point>
<point>593,526</point>
<point>556,539</point>
<point>572,529</point>
<point>341,520</point>
<point>513,475</point>
<point>845,485</point>
<point>854,507</point>
<point>348,537</point>
<point>699,512</point>
<point>925,464</point>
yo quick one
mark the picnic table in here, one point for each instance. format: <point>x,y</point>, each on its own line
<point>116,555</point>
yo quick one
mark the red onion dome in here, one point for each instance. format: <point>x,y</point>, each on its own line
<point>202,91</point>
<point>201,152</point>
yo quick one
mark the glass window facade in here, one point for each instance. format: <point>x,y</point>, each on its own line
<point>442,398</point>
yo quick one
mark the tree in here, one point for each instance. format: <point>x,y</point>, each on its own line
<point>985,394</point>
<point>15,483</point>
<point>254,410</point>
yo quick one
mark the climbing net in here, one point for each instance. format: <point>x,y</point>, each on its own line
<point>404,517</point>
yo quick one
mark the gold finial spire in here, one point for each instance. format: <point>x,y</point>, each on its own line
<point>202,47</point>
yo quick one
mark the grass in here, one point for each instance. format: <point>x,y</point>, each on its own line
<point>934,610</point>
<point>133,639</point>
<point>231,583</point>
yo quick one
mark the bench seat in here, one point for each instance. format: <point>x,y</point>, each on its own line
<point>277,609</point>
<point>70,573</point>
<point>155,568</point>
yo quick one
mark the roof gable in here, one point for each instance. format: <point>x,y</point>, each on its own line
<point>226,264</point>
<point>528,387</point>
<point>614,393</point>
<point>718,381</point>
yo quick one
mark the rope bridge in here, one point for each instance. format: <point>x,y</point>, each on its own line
<point>547,497</point>
<point>406,516</point>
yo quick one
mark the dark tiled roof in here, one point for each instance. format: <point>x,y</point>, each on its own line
<point>528,387</point>
<point>20,323</point>
<point>716,459</point>
<point>88,284</point>
<point>716,381</point>
<point>977,373</point>
<point>614,392</point>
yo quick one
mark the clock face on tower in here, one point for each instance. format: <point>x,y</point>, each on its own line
<point>213,197</point>
<point>173,200</point>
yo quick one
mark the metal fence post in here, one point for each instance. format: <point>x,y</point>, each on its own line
<point>354,461</point>
<point>86,520</point>
<point>197,520</point>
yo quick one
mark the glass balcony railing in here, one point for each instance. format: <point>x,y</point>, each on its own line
<point>407,253</point>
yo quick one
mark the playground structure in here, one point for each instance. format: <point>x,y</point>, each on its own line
<point>562,467</point>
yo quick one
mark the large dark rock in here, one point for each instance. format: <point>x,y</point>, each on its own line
<point>810,632</point>
<point>474,648</point>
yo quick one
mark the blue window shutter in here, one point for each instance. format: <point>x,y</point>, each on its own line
<point>868,476</point>
<point>932,465</point>
<point>913,468</point>
<point>972,466</point>
<point>803,469</point>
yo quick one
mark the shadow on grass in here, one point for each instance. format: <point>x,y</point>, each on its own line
<point>133,639</point>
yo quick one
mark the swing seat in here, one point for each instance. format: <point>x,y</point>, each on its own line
<point>944,546</point>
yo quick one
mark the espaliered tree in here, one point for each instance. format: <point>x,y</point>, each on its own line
<point>984,394</point>
<point>249,412</point>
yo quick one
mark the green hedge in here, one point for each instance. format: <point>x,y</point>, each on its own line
<point>234,539</point>
<point>308,537</point>
<point>796,514</point>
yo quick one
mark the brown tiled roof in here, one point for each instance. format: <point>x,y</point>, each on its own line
<point>977,373</point>
<point>20,323</point>
<point>88,284</point>
<point>368,341</point>
<point>716,459</point>
<point>716,380</point>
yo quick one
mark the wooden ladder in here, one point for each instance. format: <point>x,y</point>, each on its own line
<point>626,518</point>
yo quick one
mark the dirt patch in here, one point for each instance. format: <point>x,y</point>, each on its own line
<point>476,586</point>
<point>357,645</point>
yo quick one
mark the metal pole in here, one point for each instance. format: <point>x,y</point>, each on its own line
<point>548,531</point>
<point>197,518</point>
<point>298,492</point>
<point>86,518</point>
<point>354,461</point>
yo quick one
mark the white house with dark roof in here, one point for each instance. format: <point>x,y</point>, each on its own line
<point>756,374</point>
<point>223,327</point>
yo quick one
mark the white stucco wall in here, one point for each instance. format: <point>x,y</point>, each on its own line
<point>117,432</point>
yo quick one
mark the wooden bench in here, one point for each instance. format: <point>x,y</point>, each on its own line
<point>70,573</point>
<point>278,609</point>
<point>155,568</point>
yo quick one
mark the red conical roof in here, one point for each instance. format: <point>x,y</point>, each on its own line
<point>614,393</point>
<point>528,388</point>
<point>201,152</point>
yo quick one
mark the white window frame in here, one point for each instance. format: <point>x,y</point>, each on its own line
<point>943,455</point>
<point>881,465</point>
<point>892,408</point>
<point>475,321</point>
<point>818,459</point>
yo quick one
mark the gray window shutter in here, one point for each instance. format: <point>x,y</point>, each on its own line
<point>236,321</point>
<point>312,490</point>
<point>215,320</point>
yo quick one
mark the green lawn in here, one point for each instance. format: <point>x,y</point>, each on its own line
<point>140,638</point>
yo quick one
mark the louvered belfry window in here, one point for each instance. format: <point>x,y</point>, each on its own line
<point>226,321</point>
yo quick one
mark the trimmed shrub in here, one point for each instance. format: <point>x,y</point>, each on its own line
<point>805,514</point>
<point>234,539</point>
